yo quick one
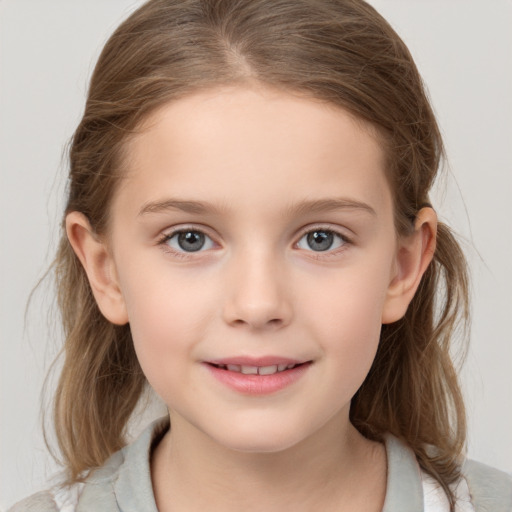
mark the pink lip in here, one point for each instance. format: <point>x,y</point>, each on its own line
<point>255,361</point>
<point>257,384</point>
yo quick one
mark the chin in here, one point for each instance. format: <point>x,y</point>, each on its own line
<point>260,440</point>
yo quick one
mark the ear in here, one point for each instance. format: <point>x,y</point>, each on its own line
<point>414,254</point>
<point>99,267</point>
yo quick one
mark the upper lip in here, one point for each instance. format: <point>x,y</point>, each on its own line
<point>255,361</point>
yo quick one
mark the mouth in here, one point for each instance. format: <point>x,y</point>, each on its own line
<point>261,376</point>
<point>258,370</point>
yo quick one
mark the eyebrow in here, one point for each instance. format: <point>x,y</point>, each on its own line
<point>328,205</point>
<point>301,208</point>
<point>194,207</point>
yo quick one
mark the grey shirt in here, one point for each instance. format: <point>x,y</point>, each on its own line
<point>123,483</point>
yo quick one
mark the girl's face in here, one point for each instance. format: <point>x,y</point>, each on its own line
<point>254,231</point>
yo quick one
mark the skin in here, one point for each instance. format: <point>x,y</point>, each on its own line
<point>264,165</point>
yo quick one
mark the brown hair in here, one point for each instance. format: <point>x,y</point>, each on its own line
<point>339,51</point>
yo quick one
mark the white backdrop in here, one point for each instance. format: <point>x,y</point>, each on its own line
<point>47,50</point>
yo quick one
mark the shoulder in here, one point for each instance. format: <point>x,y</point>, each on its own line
<point>122,483</point>
<point>481,488</point>
<point>490,488</point>
<point>39,502</point>
<point>57,499</point>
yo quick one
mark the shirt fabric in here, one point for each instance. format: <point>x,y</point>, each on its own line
<point>123,484</point>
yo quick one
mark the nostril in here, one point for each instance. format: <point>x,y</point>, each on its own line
<point>274,322</point>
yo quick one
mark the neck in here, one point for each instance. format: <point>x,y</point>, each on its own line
<point>333,469</point>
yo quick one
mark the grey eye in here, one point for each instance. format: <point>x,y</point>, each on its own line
<point>189,241</point>
<point>320,240</point>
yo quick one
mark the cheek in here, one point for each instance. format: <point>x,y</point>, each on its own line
<point>348,300</point>
<point>168,316</point>
<point>344,315</point>
<point>160,330</point>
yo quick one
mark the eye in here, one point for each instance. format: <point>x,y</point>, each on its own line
<point>188,240</point>
<point>320,240</point>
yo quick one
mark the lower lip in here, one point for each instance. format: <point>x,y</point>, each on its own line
<point>258,384</point>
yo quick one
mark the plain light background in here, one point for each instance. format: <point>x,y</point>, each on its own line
<point>47,51</point>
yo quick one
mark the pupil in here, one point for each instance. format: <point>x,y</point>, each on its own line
<point>320,240</point>
<point>191,241</point>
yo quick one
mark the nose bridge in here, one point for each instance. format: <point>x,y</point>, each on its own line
<point>257,295</point>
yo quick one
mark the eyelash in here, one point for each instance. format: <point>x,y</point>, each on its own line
<point>163,242</point>
<point>166,237</point>
<point>346,241</point>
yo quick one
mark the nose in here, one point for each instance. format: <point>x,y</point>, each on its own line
<point>257,293</point>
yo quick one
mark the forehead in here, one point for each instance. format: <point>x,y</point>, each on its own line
<point>255,146</point>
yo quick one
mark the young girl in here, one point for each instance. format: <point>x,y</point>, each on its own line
<point>249,231</point>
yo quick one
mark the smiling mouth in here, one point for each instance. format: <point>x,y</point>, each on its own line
<point>258,376</point>
<point>257,370</point>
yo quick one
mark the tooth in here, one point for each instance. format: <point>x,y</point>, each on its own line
<point>234,367</point>
<point>249,370</point>
<point>281,367</point>
<point>290,366</point>
<point>267,370</point>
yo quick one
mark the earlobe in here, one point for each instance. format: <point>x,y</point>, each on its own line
<point>414,254</point>
<point>99,267</point>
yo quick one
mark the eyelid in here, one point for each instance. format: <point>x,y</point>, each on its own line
<point>169,233</point>
<point>180,228</point>
<point>172,231</point>
<point>324,227</point>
